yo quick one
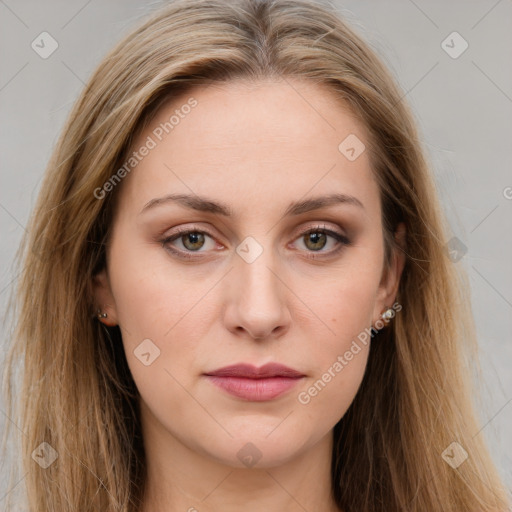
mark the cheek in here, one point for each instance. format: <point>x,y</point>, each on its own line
<point>340,357</point>
<point>156,307</point>
<point>351,304</point>
<point>346,304</point>
<point>151,295</point>
<point>330,392</point>
<point>345,298</point>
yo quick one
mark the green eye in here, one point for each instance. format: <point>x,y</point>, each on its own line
<point>193,240</point>
<point>316,239</point>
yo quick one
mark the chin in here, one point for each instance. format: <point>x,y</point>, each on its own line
<point>259,450</point>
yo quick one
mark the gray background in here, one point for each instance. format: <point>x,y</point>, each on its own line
<point>463,107</point>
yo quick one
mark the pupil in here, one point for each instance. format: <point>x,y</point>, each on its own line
<point>317,239</point>
<point>193,238</point>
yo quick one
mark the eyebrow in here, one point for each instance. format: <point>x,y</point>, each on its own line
<point>204,204</point>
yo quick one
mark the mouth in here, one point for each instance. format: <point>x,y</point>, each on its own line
<point>254,384</point>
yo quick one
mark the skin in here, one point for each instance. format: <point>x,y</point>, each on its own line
<point>255,147</point>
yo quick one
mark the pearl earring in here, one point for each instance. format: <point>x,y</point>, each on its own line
<point>388,314</point>
<point>101,315</point>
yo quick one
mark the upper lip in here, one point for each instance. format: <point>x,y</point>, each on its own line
<point>252,372</point>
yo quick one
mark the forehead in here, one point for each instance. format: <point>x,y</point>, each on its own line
<point>276,138</point>
<point>255,112</point>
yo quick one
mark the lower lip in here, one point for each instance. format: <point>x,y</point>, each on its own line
<point>255,390</point>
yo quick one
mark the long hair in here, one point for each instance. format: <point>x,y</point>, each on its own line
<point>393,446</point>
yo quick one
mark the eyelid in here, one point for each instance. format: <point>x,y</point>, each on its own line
<point>180,230</point>
<point>322,227</point>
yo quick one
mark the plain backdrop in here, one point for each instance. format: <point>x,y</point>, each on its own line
<point>462,103</point>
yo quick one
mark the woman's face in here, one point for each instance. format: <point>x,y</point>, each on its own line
<point>252,167</point>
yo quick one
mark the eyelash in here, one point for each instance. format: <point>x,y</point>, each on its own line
<point>341,239</point>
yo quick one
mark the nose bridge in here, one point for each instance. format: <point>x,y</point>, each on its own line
<point>256,269</point>
<point>258,301</point>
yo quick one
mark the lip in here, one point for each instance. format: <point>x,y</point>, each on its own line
<point>255,384</point>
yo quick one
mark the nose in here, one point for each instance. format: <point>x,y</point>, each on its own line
<point>257,301</point>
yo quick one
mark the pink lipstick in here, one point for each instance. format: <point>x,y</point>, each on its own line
<point>255,384</point>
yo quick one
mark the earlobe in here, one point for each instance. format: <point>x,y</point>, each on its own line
<point>104,300</point>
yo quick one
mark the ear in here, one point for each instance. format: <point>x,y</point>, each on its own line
<point>104,300</point>
<point>390,280</point>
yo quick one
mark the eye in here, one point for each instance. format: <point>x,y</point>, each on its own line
<point>317,238</point>
<point>188,241</point>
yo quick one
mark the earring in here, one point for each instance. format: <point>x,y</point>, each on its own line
<point>387,315</point>
<point>101,315</point>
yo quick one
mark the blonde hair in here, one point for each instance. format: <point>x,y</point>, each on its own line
<point>77,392</point>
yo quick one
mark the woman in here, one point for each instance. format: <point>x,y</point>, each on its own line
<point>235,288</point>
